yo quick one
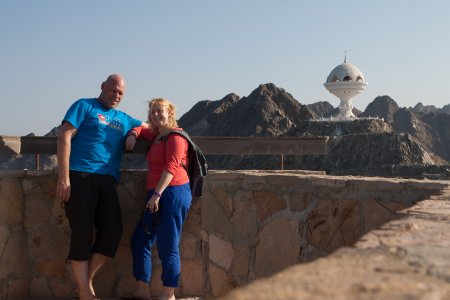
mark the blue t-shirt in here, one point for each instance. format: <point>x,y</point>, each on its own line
<point>98,145</point>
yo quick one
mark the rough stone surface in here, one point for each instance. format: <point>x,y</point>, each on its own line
<point>334,224</point>
<point>192,278</point>
<point>220,283</point>
<point>405,259</point>
<point>267,204</point>
<point>277,247</point>
<point>39,287</point>
<point>11,202</point>
<point>405,223</point>
<point>14,262</point>
<point>220,251</point>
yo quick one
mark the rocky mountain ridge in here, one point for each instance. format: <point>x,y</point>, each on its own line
<point>418,136</point>
<point>400,137</point>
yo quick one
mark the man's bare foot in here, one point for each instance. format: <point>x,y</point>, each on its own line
<point>87,296</point>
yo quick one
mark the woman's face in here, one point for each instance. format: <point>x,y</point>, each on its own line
<point>159,116</point>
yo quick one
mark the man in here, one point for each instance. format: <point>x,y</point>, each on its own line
<point>90,145</point>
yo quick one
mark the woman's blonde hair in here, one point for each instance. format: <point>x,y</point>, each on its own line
<point>171,110</point>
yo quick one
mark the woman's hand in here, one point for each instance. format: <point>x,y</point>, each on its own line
<point>153,204</point>
<point>130,142</point>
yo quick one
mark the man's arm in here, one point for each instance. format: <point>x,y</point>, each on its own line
<point>63,153</point>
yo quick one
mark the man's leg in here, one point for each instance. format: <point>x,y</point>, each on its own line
<point>95,263</point>
<point>80,274</point>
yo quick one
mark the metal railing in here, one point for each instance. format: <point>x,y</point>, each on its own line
<point>210,146</point>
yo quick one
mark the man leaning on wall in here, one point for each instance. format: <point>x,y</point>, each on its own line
<point>90,145</point>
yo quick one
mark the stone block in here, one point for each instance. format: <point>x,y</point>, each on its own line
<point>55,269</point>
<point>377,213</point>
<point>299,201</point>
<point>240,267</point>
<point>14,261</point>
<point>220,283</point>
<point>334,224</point>
<point>268,203</point>
<point>36,213</point>
<point>39,287</point>
<point>224,199</point>
<point>4,236</point>
<point>48,242</point>
<point>11,201</point>
<point>192,278</point>
<point>244,220</point>
<point>220,251</point>
<point>214,218</point>
<point>190,247</point>
<point>278,247</point>
<point>17,289</point>
<point>60,289</point>
<point>193,222</point>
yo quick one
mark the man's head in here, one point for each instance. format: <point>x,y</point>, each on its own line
<point>112,91</point>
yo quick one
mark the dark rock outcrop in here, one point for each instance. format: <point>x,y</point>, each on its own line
<point>321,109</point>
<point>267,111</point>
<point>382,107</point>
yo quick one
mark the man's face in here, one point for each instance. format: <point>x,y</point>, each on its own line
<point>112,93</point>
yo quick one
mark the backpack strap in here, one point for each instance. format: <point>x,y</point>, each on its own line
<point>183,134</point>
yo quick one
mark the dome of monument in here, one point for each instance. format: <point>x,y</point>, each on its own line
<point>345,72</point>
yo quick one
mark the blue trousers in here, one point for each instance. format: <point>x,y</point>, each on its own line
<point>164,228</point>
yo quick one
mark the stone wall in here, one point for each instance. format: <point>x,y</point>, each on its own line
<point>34,239</point>
<point>257,223</point>
<point>249,225</point>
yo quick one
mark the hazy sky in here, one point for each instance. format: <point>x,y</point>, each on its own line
<point>53,52</point>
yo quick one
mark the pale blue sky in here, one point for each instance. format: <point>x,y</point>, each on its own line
<point>53,52</point>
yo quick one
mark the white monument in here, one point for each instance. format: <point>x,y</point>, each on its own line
<point>345,82</point>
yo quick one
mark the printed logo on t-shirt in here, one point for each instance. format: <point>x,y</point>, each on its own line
<point>108,121</point>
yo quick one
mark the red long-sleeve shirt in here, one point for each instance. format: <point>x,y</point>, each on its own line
<point>165,156</point>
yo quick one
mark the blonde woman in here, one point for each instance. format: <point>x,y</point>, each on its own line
<point>168,200</point>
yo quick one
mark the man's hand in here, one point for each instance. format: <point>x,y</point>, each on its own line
<point>63,189</point>
<point>130,142</point>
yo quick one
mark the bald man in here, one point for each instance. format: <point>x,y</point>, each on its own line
<point>90,146</point>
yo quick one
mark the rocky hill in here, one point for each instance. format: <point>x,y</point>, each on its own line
<point>382,107</point>
<point>267,111</point>
<point>363,147</point>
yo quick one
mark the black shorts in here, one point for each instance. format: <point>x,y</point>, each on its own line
<point>93,204</point>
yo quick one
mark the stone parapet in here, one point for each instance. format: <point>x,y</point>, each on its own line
<point>249,225</point>
<point>257,224</point>
<point>404,259</point>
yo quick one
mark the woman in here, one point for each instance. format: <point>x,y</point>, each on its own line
<point>168,199</point>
